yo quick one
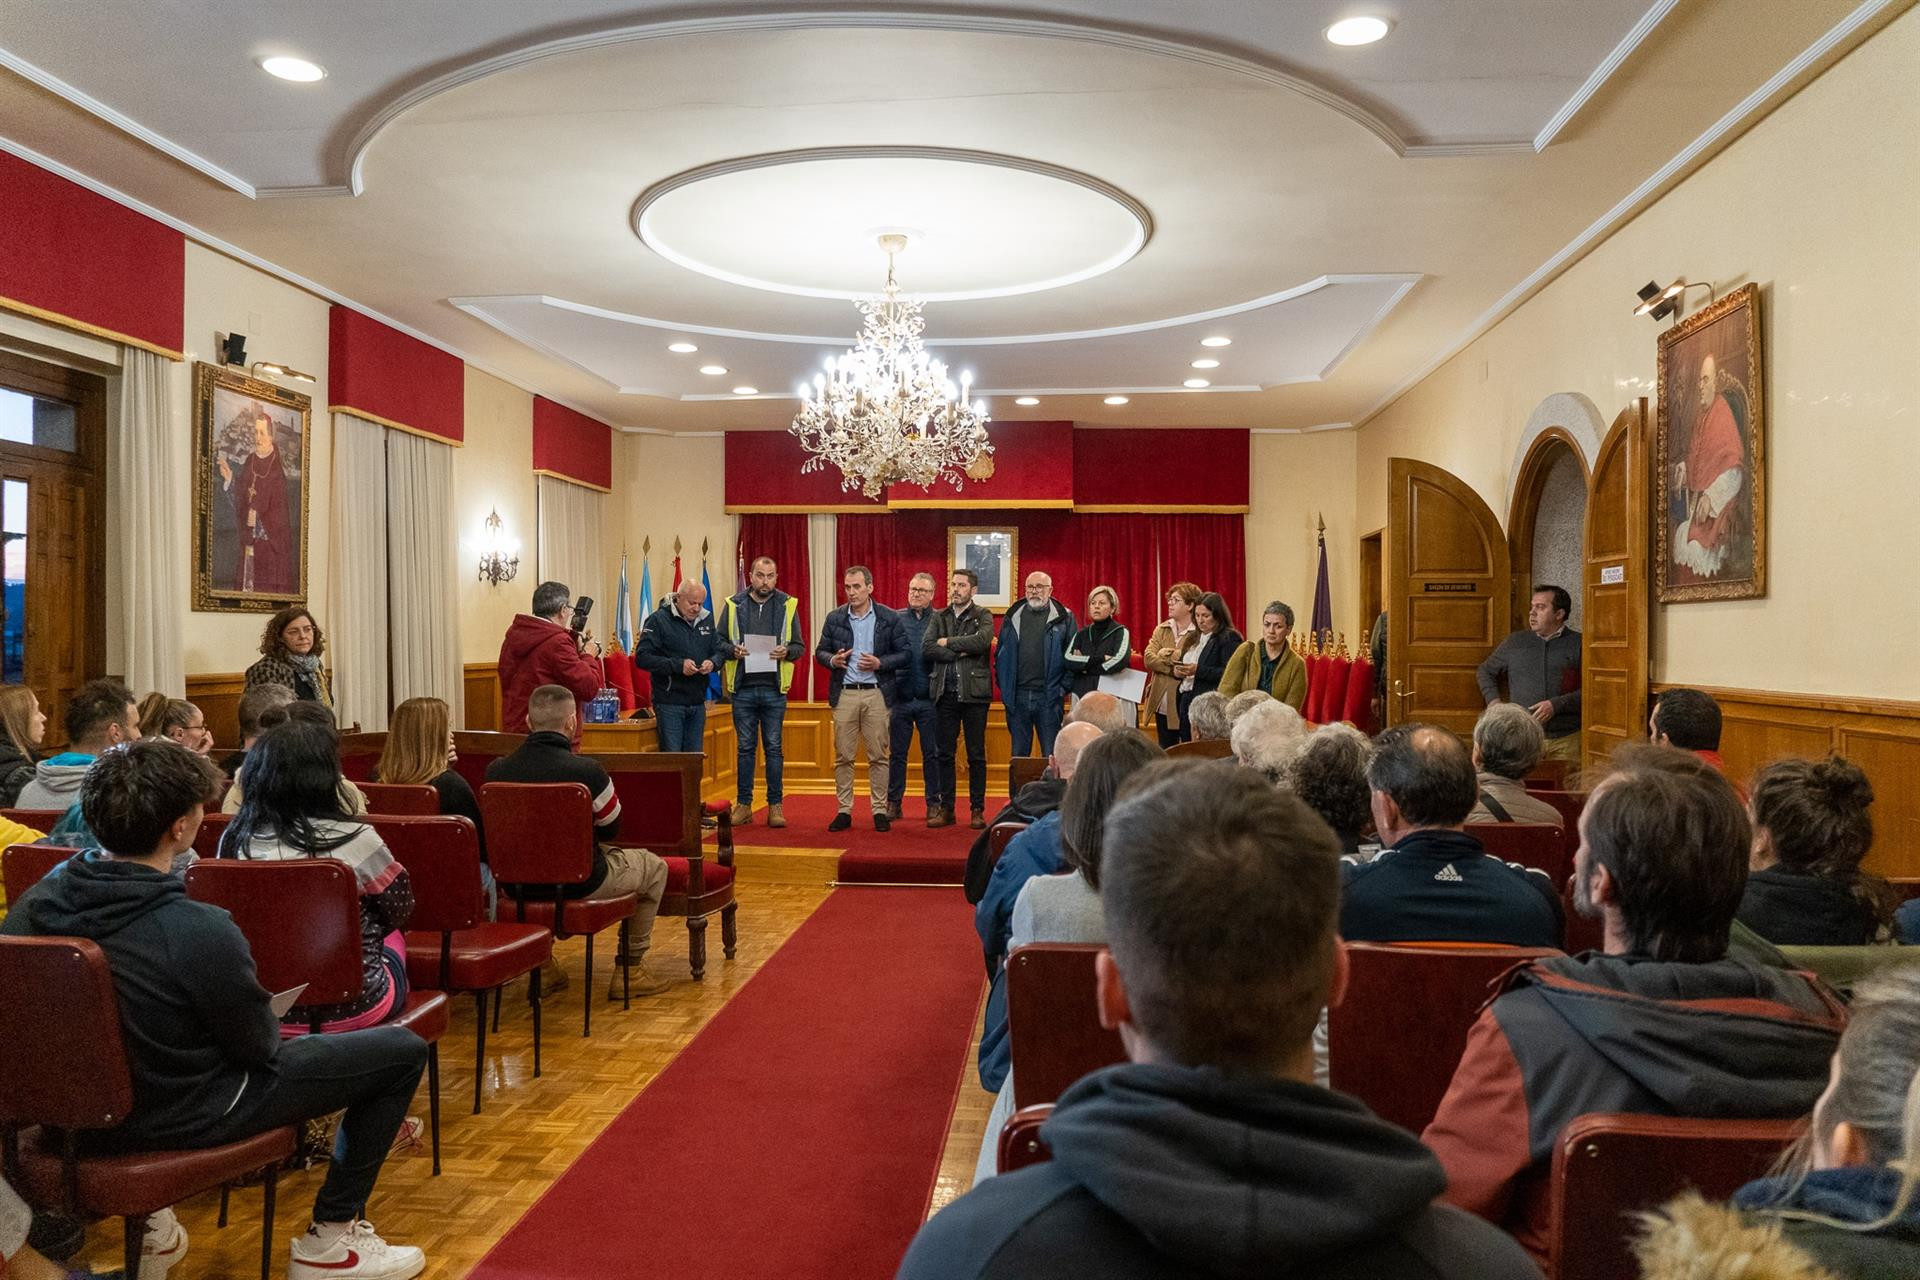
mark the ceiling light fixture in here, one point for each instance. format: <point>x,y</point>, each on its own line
<point>746,391</point>
<point>1115,400</point>
<point>1029,401</point>
<point>713,370</point>
<point>682,348</point>
<point>1194,384</point>
<point>298,70</point>
<point>1357,31</point>
<point>1661,303</point>
<point>885,412</point>
<point>1206,364</point>
<point>1216,342</point>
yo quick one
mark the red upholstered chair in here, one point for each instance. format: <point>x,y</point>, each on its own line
<point>23,866</point>
<point>420,800</point>
<point>1395,1039</point>
<point>539,840</point>
<point>360,754</point>
<point>999,836</point>
<point>1571,805</point>
<point>301,919</point>
<point>475,749</point>
<point>1024,769</point>
<point>41,820</point>
<point>451,945</point>
<point>1606,1168</point>
<point>660,810</point>
<point>1548,775</point>
<point>1531,844</point>
<point>63,1070</point>
<point>206,842</point>
<point>1020,1141</point>
<point>619,667</point>
<point>1054,1034</point>
<point>1204,749</point>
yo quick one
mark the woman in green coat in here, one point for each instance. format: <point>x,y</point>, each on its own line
<point>1269,663</point>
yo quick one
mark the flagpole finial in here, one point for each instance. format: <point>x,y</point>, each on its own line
<point>676,544</point>
<point>1323,523</point>
<point>646,545</point>
<point>703,546</point>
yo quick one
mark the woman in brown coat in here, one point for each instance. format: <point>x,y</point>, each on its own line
<point>1163,650</point>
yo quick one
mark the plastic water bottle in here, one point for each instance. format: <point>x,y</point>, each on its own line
<point>605,707</point>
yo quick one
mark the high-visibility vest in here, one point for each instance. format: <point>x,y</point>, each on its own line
<point>730,674</point>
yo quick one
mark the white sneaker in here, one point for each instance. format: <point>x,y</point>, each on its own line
<point>165,1244</point>
<point>356,1254</point>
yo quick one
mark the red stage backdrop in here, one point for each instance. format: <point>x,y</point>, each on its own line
<point>571,445</point>
<point>764,477</point>
<point>784,537</point>
<point>1167,469</point>
<point>385,376</point>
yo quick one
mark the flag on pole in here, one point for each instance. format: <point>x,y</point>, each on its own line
<point>646,586</point>
<point>623,611</point>
<point>706,583</point>
<point>1322,624</point>
<point>739,569</point>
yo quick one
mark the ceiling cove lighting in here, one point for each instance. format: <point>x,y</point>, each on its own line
<point>1115,400</point>
<point>713,370</point>
<point>682,348</point>
<point>1028,401</point>
<point>1194,384</point>
<point>298,70</point>
<point>1206,364</point>
<point>1216,341</point>
<point>1357,31</point>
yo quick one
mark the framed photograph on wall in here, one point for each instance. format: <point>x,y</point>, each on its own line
<point>994,554</point>
<point>250,466</point>
<point>1710,535</point>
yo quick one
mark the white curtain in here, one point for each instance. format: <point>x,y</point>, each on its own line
<point>147,592</point>
<point>572,537</point>
<point>356,620</point>
<point>823,588</point>
<point>423,607</point>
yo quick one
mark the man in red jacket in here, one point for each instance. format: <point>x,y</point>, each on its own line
<point>540,650</point>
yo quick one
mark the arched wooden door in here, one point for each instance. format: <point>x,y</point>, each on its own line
<point>1613,644</point>
<point>1447,591</point>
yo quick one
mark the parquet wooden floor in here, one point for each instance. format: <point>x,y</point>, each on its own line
<point>495,1164</point>
<point>971,1109</point>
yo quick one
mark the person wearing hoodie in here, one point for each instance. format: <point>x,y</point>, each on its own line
<point>1661,1021</point>
<point>100,714</point>
<point>1210,1152</point>
<point>203,1046</point>
<point>1848,1207</point>
<point>679,647</point>
<point>539,648</point>
<point>23,725</point>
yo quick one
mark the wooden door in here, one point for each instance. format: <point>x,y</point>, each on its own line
<point>1370,568</point>
<point>1614,653</point>
<point>1447,595</point>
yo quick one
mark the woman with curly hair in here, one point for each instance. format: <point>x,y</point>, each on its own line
<point>290,652</point>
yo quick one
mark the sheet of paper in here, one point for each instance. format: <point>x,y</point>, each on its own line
<point>759,653</point>
<point>1128,686</point>
<point>285,1000</point>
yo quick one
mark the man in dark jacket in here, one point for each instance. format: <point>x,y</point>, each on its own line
<point>1032,665</point>
<point>1661,1023</point>
<point>540,649</point>
<point>1431,881</point>
<point>548,756</point>
<point>960,684</point>
<point>678,647</point>
<point>913,708</point>
<point>861,650</point>
<point>1212,1152</point>
<point>1542,670</point>
<point>203,1044</point>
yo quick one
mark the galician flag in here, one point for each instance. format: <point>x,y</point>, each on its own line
<point>623,611</point>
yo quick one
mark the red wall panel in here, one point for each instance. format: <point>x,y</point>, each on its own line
<point>572,445</point>
<point>1032,467</point>
<point>1166,469</point>
<point>763,475</point>
<point>386,376</point>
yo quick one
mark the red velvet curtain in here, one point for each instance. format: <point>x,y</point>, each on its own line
<point>784,537</point>
<point>1212,551</point>
<point>873,541</point>
<point>1119,551</point>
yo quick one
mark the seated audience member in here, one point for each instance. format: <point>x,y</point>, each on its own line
<point>1329,774</point>
<point>205,1053</point>
<point>352,798</point>
<point>293,810</point>
<point>1207,718</point>
<point>1507,742</point>
<point>1066,907</point>
<point>1269,663</point>
<point>1035,801</point>
<point>1658,1023</point>
<point>1431,881</point>
<point>1103,711</point>
<point>19,1260</point>
<point>1811,830</point>
<point>100,714</point>
<point>547,756</point>
<point>1034,852</point>
<point>291,647</point>
<point>1211,1153</point>
<point>1690,720</point>
<point>253,707</point>
<point>176,719</point>
<point>1267,739</point>
<point>1849,1205</point>
<point>1240,703</point>
<point>23,725</point>
<point>419,752</point>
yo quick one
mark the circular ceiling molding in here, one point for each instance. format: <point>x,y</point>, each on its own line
<point>806,222</point>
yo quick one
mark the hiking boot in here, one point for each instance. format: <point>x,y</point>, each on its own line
<point>979,822</point>
<point>893,811</point>
<point>356,1253</point>
<point>165,1244</point>
<point>939,817</point>
<point>776,818</point>
<point>645,982</point>
<point>742,815</point>
<point>553,979</point>
<point>841,821</point>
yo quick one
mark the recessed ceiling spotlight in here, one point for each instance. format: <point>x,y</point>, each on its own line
<point>1216,342</point>
<point>1208,363</point>
<point>746,391</point>
<point>713,370</point>
<point>1194,384</point>
<point>1116,400</point>
<point>682,348</point>
<point>298,70</point>
<point>1352,31</point>
<point>1029,401</point>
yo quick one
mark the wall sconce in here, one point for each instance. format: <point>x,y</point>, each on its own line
<point>1660,303</point>
<point>499,562</point>
<point>279,371</point>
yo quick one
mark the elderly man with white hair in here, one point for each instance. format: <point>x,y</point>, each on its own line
<point>1103,711</point>
<point>1507,743</point>
<point>1267,739</point>
<point>679,648</point>
<point>1034,852</point>
<point>1241,703</point>
<point>1207,717</point>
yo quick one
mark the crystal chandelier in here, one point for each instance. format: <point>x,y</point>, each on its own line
<point>886,412</point>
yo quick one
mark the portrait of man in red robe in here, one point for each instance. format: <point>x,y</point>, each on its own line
<point>1711,535</point>
<point>265,558</point>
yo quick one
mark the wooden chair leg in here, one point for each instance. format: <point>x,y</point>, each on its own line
<point>225,1189</point>
<point>728,934</point>
<point>136,1239</point>
<point>268,1201</point>
<point>534,987</point>
<point>480,1045</point>
<point>586,1018</point>
<point>697,945</point>
<point>433,1100</point>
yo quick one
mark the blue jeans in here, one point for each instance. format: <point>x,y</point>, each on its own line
<point>1031,710</point>
<point>682,726</point>
<point>758,716</point>
<point>907,716</point>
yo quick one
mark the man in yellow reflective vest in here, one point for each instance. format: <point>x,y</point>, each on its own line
<point>759,697</point>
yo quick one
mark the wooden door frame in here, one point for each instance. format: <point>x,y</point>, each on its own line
<point>1373,587</point>
<point>1523,513</point>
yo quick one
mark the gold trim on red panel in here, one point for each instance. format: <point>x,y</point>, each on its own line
<point>92,330</point>
<point>561,475</point>
<point>377,420</point>
<point>984,504</point>
<point>1170,508</point>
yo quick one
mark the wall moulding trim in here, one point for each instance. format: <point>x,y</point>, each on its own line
<point>91,330</point>
<point>576,480</point>
<point>392,425</point>
<point>1841,703</point>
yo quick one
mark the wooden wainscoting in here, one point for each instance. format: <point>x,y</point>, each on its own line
<point>217,694</point>
<point>1880,735</point>
<point>480,686</point>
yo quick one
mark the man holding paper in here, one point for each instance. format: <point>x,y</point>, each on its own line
<point>761,626</point>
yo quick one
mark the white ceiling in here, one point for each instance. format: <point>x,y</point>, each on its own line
<point>473,170</point>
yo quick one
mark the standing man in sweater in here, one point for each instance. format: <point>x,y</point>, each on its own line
<point>960,683</point>
<point>913,708</point>
<point>759,697</point>
<point>1542,669</point>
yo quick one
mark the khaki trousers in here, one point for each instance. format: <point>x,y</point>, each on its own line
<point>640,872</point>
<point>1566,747</point>
<point>860,716</point>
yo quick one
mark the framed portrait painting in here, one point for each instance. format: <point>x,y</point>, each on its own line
<point>994,555</point>
<point>1710,536</point>
<point>250,466</point>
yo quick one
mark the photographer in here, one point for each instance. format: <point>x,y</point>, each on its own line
<point>542,648</point>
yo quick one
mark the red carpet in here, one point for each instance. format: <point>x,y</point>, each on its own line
<point>911,853</point>
<point>799,1134</point>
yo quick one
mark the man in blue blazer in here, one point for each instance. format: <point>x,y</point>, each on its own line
<point>861,648</point>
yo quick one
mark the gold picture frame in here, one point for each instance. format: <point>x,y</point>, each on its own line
<point>992,552</point>
<point>250,518</point>
<point>1710,512</point>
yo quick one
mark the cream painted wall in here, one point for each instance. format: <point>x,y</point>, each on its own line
<point>282,324</point>
<point>493,472</point>
<point>1818,204</point>
<point>667,487</point>
<point>1296,479</point>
